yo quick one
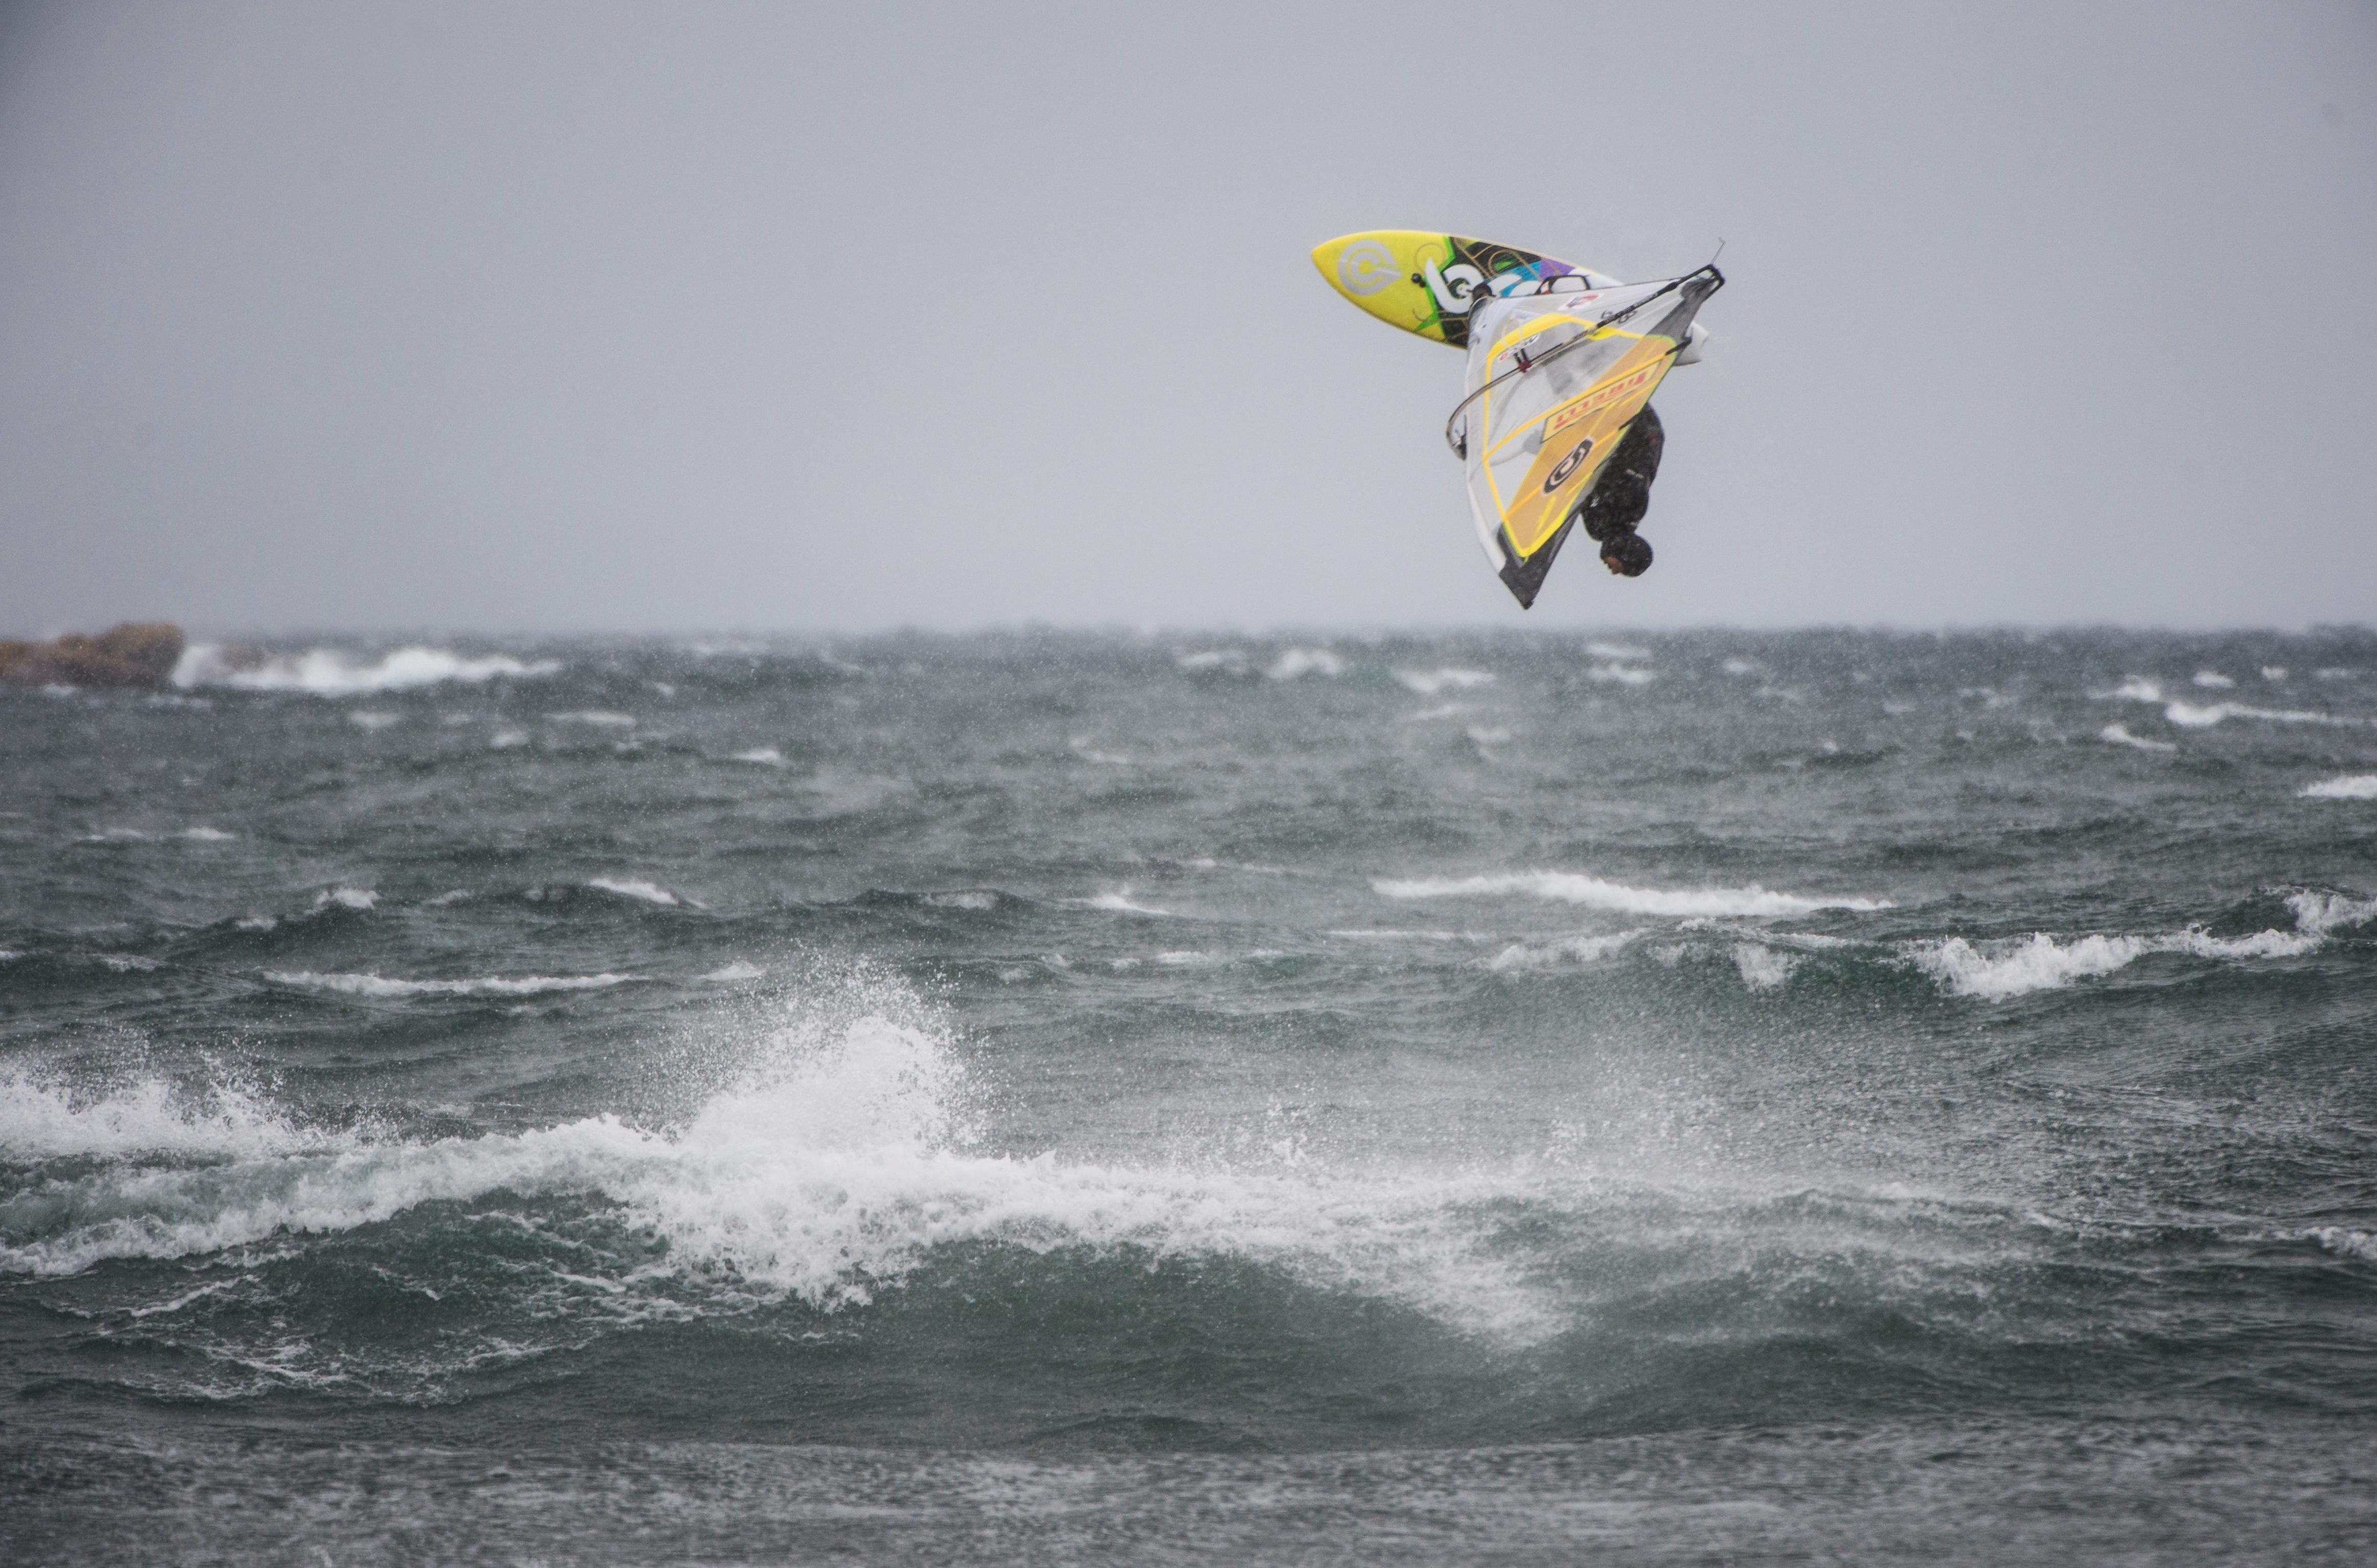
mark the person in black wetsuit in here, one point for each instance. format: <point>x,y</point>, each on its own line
<point>1612,513</point>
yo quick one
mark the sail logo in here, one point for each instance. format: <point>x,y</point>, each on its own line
<point>1366,267</point>
<point>1566,466</point>
<point>1594,401</point>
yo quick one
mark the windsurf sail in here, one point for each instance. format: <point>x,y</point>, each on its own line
<point>1555,377</point>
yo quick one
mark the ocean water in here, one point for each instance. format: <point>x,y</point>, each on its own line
<point>1044,1098</point>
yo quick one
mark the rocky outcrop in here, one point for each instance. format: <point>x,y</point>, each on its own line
<point>137,654</point>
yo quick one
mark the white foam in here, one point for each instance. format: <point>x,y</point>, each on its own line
<point>2343,1242</point>
<point>736,971</point>
<point>43,1118</point>
<point>1427,683</point>
<point>207,836</point>
<point>1441,711</point>
<point>2205,715</point>
<point>1522,957</point>
<point>968,899</point>
<point>504,740</point>
<point>2274,672</point>
<point>373,719</point>
<point>345,898</point>
<point>635,887</point>
<point>1617,650</point>
<point>2134,689</point>
<point>1295,662</point>
<point>1120,904</point>
<point>1995,971</point>
<point>1377,934</point>
<point>1763,968</point>
<point>2321,911</point>
<point>826,1174</point>
<point>1571,887</point>
<point>1232,661</point>
<point>765,756</point>
<point>330,672</point>
<point>601,718</point>
<point>2120,735</point>
<point>1081,748</point>
<point>2348,786</point>
<point>1621,674</point>
<point>2333,673</point>
<point>504,986</point>
<point>1744,667</point>
<point>2214,680</point>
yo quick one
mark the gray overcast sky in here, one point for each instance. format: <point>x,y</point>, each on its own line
<point>638,316</point>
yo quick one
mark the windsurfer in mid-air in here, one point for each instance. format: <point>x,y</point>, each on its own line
<point>1556,434</point>
<point>1613,510</point>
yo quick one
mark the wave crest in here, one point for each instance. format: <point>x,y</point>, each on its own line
<point>332,672</point>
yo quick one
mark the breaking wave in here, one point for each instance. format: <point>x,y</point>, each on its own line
<point>1294,663</point>
<point>331,672</point>
<point>1571,887</point>
<point>2350,787</point>
<point>1998,970</point>
<point>380,985</point>
<point>1427,683</point>
<point>826,1174</point>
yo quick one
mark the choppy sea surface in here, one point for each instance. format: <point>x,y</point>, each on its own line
<point>1519,1099</point>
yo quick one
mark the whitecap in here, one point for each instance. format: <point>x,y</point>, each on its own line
<point>373,719</point>
<point>2205,715</point>
<point>826,1178</point>
<point>1427,683</point>
<point>2134,689</point>
<point>2320,911</point>
<point>1997,971</point>
<point>1520,957</point>
<point>2214,680</point>
<point>504,740</point>
<point>636,888</point>
<point>1120,904</point>
<point>345,898</point>
<point>598,717</point>
<point>207,836</point>
<point>52,1118</point>
<point>2347,786</point>
<point>2120,735</point>
<point>1441,711</point>
<point>971,899</point>
<point>736,971</point>
<point>1295,662</point>
<point>330,672</point>
<point>1621,674</point>
<point>1617,650</point>
<point>499,986</point>
<point>1571,887</point>
<point>1762,968</point>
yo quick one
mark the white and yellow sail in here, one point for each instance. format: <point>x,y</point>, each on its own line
<point>1553,379</point>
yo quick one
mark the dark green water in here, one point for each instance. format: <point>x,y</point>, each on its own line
<point>1703,1098</point>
